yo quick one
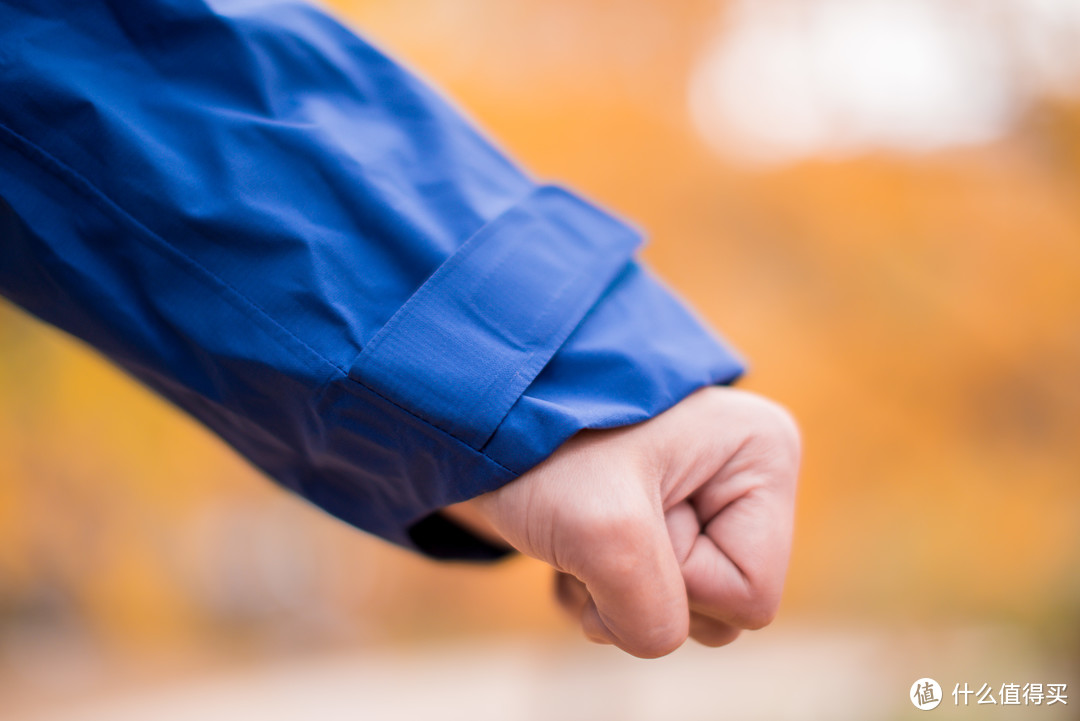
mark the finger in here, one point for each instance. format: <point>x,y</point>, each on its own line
<point>735,570</point>
<point>574,597</point>
<point>571,594</point>
<point>594,628</point>
<point>732,528</point>
<point>637,586</point>
<point>684,529</point>
<point>710,632</point>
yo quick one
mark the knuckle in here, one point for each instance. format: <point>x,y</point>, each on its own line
<point>770,422</point>
<point>777,433</point>
<point>783,427</point>
<point>605,541</point>
<point>612,528</point>
<point>757,612</point>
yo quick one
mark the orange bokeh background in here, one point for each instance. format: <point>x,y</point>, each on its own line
<point>918,312</point>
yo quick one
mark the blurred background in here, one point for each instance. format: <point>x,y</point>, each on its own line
<point>876,201</point>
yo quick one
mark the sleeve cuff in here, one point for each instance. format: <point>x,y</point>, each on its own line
<point>465,346</point>
<point>541,325</point>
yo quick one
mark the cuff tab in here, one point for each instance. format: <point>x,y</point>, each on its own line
<point>468,343</point>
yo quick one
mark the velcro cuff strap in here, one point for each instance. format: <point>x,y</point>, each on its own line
<point>468,343</point>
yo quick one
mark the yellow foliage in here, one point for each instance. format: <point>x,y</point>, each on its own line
<point>919,314</point>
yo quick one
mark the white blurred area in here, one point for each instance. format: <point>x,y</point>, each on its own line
<point>785,80</point>
<point>782,674</point>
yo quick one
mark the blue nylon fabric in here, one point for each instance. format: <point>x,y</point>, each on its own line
<point>282,231</point>
<point>520,285</point>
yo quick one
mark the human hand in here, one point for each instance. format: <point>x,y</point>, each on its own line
<point>678,526</point>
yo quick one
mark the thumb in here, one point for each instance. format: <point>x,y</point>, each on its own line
<point>638,594</point>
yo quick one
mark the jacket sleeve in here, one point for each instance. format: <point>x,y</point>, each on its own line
<point>283,232</point>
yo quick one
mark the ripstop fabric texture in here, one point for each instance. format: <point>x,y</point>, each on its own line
<point>288,235</point>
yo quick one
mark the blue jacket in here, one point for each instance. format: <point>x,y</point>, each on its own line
<point>283,232</point>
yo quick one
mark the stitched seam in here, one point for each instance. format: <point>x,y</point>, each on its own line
<point>526,369</point>
<point>428,423</point>
<point>413,304</point>
<point>531,364</point>
<point>110,208</point>
<point>103,203</point>
<point>94,195</point>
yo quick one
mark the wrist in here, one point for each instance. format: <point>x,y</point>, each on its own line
<point>468,515</point>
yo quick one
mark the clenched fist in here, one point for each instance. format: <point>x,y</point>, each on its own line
<point>678,526</point>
